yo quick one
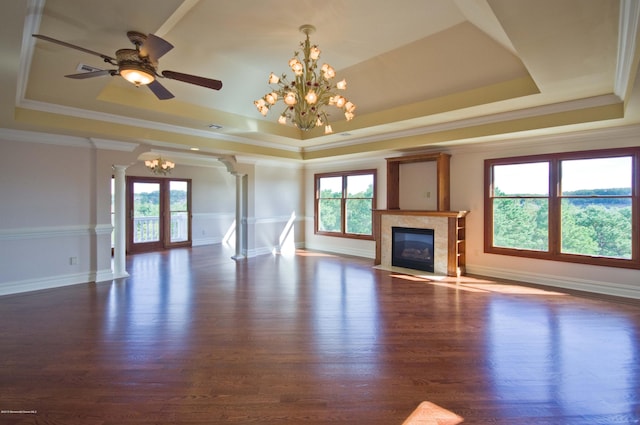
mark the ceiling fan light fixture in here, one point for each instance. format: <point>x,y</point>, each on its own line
<point>137,74</point>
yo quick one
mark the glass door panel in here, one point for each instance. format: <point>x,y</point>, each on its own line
<point>179,216</point>
<point>146,212</point>
<point>145,209</point>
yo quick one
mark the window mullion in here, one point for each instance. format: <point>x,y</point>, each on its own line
<point>343,205</point>
<point>635,207</point>
<point>555,213</point>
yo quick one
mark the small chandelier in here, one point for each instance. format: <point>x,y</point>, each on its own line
<point>160,166</point>
<point>306,96</point>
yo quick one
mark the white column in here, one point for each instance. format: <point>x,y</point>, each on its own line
<point>241,217</point>
<point>119,223</point>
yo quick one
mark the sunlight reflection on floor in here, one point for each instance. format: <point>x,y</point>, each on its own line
<point>428,413</point>
<point>466,283</point>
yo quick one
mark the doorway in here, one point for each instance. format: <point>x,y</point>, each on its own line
<point>159,213</point>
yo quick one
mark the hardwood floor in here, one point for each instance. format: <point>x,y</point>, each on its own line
<point>193,337</point>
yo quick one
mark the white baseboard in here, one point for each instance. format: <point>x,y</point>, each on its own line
<point>17,287</point>
<point>605,288</point>
<point>107,274</point>
<point>270,250</point>
<point>205,241</point>
<point>364,253</point>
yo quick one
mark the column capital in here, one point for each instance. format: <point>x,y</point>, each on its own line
<point>120,167</point>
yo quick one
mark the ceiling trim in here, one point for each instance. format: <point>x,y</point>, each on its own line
<point>627,42</point>
<point>135,122</point>
<point>32,21</point>
<point>498,128</point>
<point>544,110</point>
<point>44,138</point>
<point>49,121</point>
<point>113,145</point>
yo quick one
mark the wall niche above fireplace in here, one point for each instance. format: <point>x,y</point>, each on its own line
<point>442,184</point>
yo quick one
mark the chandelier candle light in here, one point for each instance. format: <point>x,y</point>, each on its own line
<point>160,166</point>
<point>310,91</point>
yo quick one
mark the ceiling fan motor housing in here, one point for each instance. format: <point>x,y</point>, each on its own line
<point>129,60</point>
<point>137,38</point>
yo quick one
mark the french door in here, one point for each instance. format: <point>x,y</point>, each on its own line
<point>159,213</point>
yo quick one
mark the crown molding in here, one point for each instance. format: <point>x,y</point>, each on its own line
<point>628,29</point>
<point>555,108</point>
<point>63,140</point>
<point>153,125</point>
<point>44,138</point>
<point>113,145</point>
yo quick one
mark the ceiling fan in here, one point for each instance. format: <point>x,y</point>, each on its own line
<point>139,66</point>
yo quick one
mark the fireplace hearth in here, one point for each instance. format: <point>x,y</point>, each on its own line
<point>412,248</point>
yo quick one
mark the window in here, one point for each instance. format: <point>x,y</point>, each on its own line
<point>579,207</point>
<point>344,203</point>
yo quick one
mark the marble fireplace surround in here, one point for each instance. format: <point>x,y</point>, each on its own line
<point>448,228</point>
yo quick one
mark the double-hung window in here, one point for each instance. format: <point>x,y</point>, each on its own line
<point>579,207</point>
<point>344,203</point>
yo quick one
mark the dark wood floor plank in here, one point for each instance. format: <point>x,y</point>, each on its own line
<point>192,337</point>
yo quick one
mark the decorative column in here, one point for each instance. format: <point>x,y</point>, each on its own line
<point>119,222</point>
<point>241,216</point>
<point>241,206</point>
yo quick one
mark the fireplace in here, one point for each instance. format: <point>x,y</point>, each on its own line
<point>448,242</point>
<point>412,248</point>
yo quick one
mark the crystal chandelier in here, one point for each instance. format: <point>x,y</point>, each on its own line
<point>160,166</point>
<point>306,96</point>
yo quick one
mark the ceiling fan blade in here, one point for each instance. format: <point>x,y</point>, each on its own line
<point>73,46</point>
<point>159,90</point>
<point>155,47</point>
<point>100,73</point>
<point>193,79</point>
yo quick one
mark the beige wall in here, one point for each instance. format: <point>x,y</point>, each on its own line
<point>418,186</point>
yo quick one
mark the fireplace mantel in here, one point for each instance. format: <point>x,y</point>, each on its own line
<point>449,228</point>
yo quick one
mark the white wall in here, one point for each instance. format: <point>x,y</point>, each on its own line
<point>55,219</point>
<point>279,214</point>
<point>51,229</point>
